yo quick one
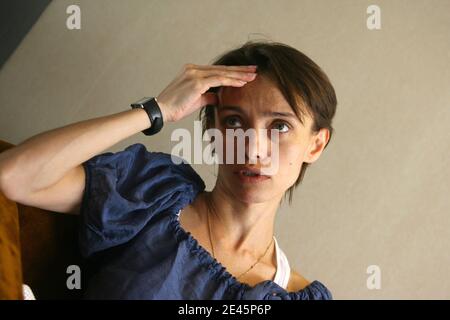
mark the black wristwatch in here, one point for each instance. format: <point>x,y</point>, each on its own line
<point>150,105</point>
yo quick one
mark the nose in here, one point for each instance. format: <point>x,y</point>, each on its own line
<point>257,146</point>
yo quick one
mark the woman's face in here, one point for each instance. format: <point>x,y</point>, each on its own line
<point>260,105</point>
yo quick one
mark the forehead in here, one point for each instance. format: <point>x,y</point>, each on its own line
<point>260,94</point>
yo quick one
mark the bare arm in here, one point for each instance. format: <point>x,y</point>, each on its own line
<point>45,170</point>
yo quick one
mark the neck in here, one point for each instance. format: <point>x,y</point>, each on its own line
<point>237,225</point>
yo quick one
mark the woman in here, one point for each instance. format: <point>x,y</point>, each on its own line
<point>150,229</point>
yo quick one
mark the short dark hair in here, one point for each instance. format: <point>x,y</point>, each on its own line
<point>302,82</point>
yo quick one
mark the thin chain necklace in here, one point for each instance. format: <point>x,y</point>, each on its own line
<point>212,248</point>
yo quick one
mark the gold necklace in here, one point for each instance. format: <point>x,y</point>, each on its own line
<point>212,248</point>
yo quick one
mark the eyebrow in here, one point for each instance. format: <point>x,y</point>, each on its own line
<point>266,113</point>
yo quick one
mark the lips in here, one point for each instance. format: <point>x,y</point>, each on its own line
<point>251,174</point>
<point>249,171</point>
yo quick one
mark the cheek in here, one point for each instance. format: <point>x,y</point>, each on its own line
<point>291,159</point>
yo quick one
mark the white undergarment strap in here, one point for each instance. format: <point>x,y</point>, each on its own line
<point>283,269</point>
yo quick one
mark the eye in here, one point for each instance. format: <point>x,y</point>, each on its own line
<point>232,121</point>
<point>281,126</point>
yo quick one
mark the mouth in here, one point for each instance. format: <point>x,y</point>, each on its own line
<point>251,175</point>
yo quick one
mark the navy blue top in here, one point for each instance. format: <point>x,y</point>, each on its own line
<point>129,226</point>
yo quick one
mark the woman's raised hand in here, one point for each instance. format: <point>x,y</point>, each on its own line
<point>187,92</point>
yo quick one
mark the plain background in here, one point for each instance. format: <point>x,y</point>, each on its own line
<point>379,195</point>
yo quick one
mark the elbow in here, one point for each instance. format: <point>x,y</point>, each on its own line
<point>7,188</point>
<point>15,183</point>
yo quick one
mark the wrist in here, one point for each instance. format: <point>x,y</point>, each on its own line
<point>162,106</point>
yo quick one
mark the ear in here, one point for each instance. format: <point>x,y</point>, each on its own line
<point>317,143</point>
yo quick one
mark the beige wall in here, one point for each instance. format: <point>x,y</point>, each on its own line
<point>379,195</point>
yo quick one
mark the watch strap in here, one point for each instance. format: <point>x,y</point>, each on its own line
<point>151,107</point>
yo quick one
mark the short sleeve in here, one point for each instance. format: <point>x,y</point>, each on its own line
<point>127,189</point>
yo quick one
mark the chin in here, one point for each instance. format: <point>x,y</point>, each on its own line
<point>251,198</point>
<point>251,193</point>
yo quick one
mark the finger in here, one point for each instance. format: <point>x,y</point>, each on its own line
<point>247,68</point>
<point>241,75</point>
<point>218,81</point>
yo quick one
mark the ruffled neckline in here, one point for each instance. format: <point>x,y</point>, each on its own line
<point>266,290</point>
